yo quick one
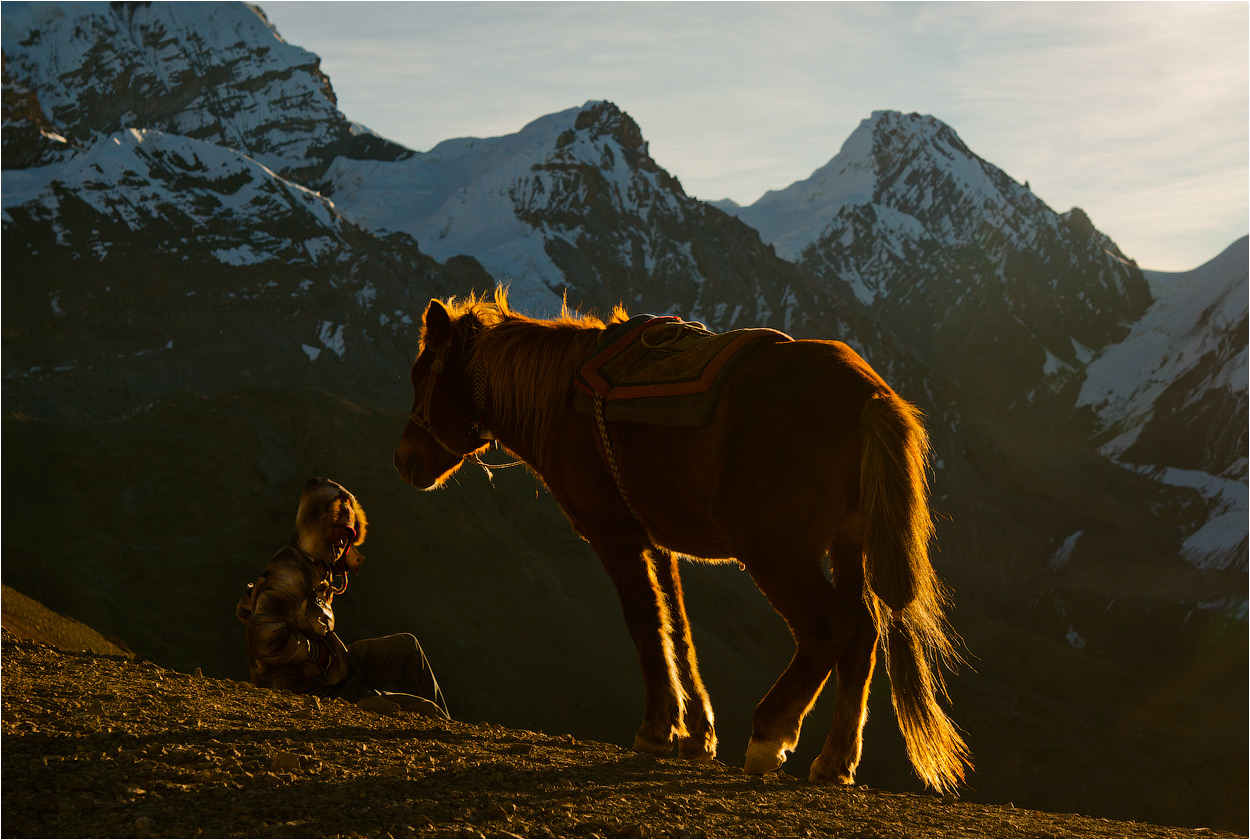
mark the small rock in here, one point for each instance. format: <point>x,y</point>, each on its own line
<point>199,674</point>
<point>285,762</point>
<point>495,811</point>
<point>96,708</point>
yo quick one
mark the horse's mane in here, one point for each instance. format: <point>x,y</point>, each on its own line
<point>530,363</point>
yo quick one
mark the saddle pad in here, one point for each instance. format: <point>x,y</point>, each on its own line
<point>661,370</point>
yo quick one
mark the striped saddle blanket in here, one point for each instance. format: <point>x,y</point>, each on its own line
<point>661,370</point>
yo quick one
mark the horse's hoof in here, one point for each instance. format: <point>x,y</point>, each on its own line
<point>697,749</point>
<point>827,776</point>
<point>763,757</point>
<point>648,744</point>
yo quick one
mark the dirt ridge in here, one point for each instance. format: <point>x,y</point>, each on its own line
<point>98,745</point>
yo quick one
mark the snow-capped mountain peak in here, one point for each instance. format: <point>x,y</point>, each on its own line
<point>571,201</point>
<point>217,72</point>
<point>969,263</point>
<point>886,147</point>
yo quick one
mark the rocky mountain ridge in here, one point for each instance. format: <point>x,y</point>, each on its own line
<point>573,205</point>
<point>215,72</point>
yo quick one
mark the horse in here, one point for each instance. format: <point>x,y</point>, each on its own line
<point>811,474</point>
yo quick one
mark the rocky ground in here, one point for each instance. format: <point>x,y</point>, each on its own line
<point>109,745</point>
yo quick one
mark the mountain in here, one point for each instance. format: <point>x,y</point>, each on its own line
<point>141,231</point>
<point>574,205</point>
<point>216,72</point>
<point>1170,399</point>
<point>997,290</point>
<point>212,293</point>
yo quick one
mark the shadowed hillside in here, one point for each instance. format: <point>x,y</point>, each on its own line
<point>99,745</point>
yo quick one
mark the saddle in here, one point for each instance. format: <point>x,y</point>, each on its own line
<point>661,370</point>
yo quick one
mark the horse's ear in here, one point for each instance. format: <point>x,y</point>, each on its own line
<point>437,323</point>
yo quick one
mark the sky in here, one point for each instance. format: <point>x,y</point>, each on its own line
<point>1136,112</point>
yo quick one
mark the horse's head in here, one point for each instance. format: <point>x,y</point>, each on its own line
<point>442,428</point>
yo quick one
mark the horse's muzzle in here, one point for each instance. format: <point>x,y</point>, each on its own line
<point>409,474</point>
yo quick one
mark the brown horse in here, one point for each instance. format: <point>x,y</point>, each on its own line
<point>809,455</point>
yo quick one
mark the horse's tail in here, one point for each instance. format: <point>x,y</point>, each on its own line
<point>904,591</point>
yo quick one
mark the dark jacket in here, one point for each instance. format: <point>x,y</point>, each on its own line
<point>290,625</point>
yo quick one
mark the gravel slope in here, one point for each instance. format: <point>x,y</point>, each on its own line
<point>99,745</point>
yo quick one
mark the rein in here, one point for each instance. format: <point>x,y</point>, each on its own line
<point>476,427</point>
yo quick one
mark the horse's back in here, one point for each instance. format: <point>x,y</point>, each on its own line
<point>813,380</point>
<point>784,444</point>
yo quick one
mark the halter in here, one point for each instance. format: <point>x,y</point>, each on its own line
<point>476,426</point>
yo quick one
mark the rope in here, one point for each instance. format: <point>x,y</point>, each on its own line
<point>616,471</point>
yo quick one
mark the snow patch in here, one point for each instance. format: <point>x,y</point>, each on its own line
<point>331,337</point>
<point>243,254</point>
<point>366,295</point>
<point>1074,638</point>
<point>1054,364</point>
<point>1221,542</point>
<point>1064,553</point>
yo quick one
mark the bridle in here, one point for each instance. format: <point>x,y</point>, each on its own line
<point>421,417</point>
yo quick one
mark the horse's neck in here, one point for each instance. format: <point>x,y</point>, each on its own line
<point>529,381</point>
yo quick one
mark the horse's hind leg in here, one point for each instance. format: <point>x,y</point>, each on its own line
<point>647,617</point>
<point>840,756</point>
<point>806,601</point>
<point>699,744</point>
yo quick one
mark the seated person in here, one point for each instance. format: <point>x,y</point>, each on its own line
<point>291,643</point>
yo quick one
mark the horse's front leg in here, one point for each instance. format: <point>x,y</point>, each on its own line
<point>647,616</point>
<point>699,744</point>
